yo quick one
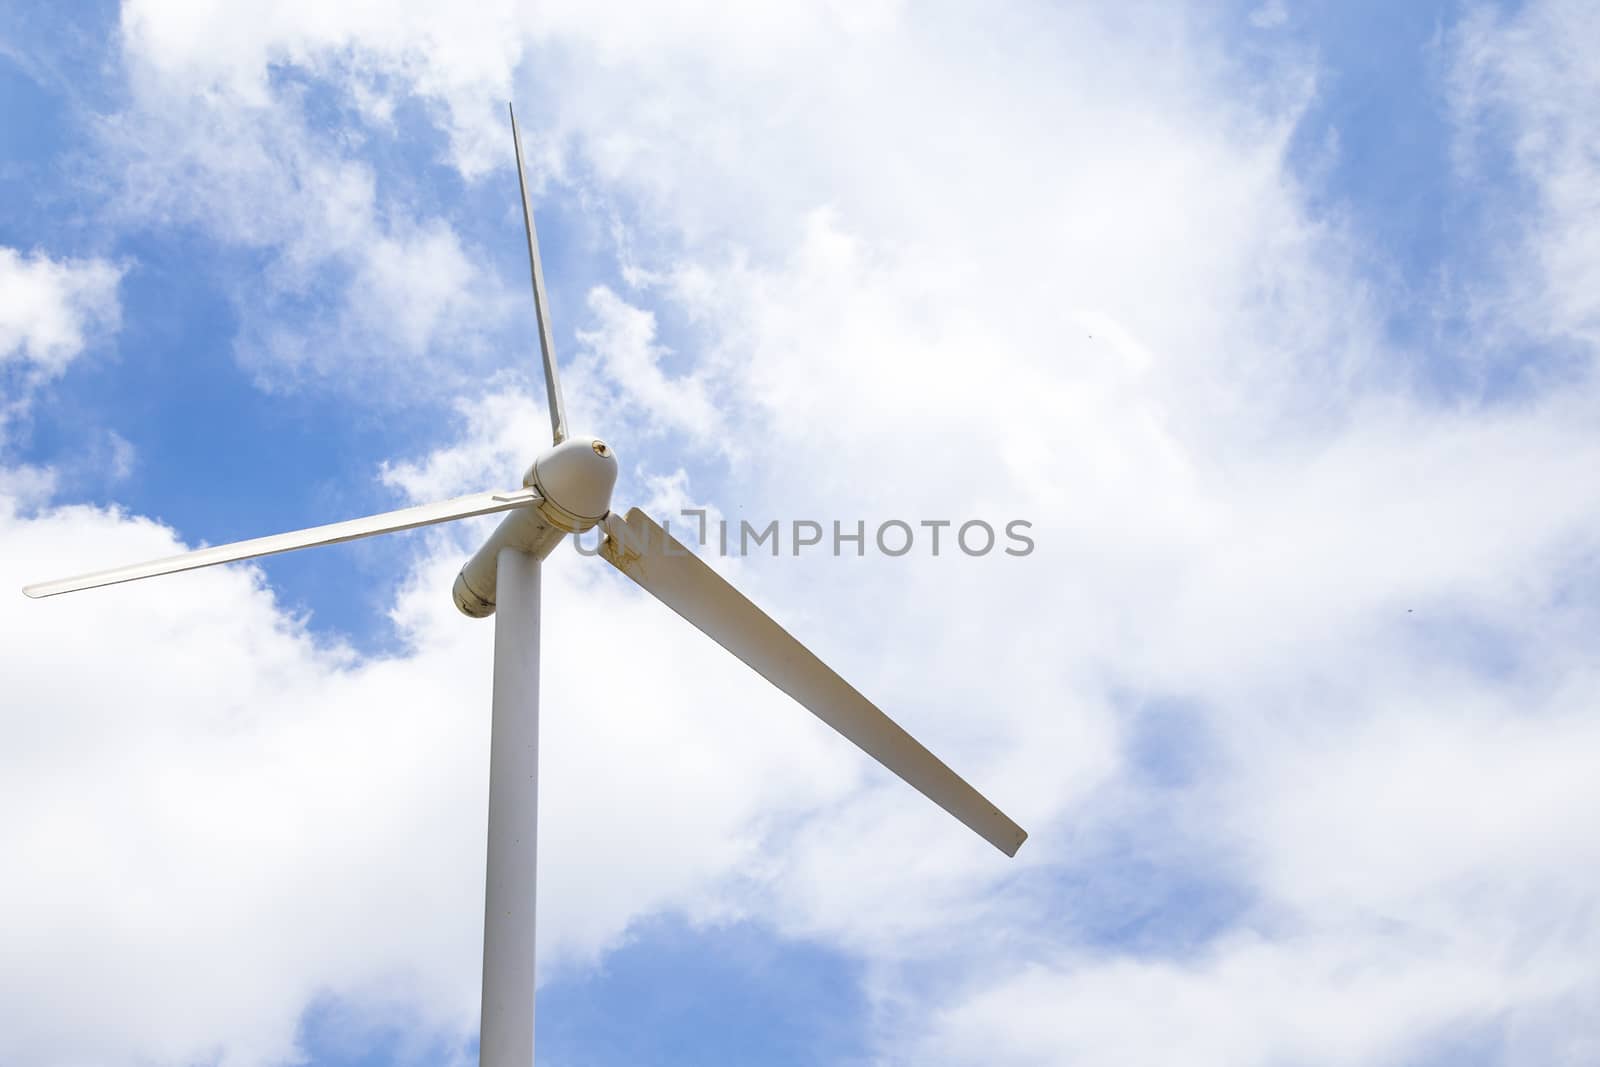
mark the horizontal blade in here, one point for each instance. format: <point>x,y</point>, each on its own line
<point>405,519</point>
<point>642,550</point>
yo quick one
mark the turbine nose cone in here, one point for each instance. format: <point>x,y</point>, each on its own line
<point>575,478</point>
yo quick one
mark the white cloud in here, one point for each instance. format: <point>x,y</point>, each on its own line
<point>1342,997</point>
<point>50,310</point>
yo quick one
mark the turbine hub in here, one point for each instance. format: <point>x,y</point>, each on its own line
<point>575,478</point>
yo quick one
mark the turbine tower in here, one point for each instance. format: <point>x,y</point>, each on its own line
<point>567,490</point>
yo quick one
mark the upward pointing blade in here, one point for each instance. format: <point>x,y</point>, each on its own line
<point>547,348</point>
<point>405,519</point>
<point>667,570</point>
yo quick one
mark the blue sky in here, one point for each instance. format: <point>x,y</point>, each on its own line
<point>1272,320</point>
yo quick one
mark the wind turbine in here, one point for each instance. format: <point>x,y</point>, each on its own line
<point>567,490</point>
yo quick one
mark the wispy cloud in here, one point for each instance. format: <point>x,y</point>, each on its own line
<point>1520,86</point>
<point>360,291</point>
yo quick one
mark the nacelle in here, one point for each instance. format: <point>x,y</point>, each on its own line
<point>575,479</point>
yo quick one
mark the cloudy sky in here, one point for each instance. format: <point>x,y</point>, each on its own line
<point>1278,321</point>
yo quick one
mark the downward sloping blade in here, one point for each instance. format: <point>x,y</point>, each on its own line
<point>541,303</point>
<point>667,570</point>
<point>405,519</point>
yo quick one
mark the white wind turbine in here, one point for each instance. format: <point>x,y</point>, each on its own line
<point>567,490</point>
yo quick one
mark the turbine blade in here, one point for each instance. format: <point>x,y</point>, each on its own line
<point>547,348</point>
<point>658,562</point>
<point>405,519</point>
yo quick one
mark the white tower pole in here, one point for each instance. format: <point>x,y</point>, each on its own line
<point>506,1034</point>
